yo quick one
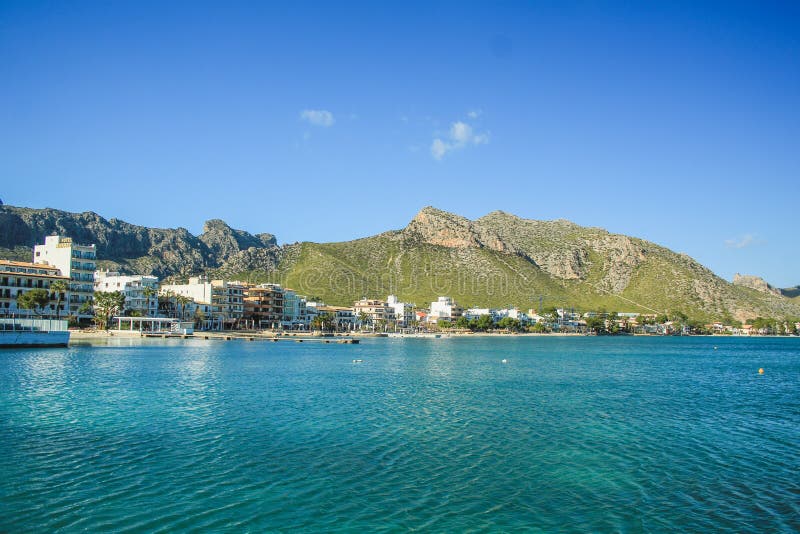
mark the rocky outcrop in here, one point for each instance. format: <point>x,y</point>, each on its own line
<point>253,259</point>
<point>128,247</point>
<point>223,241</point>
<point>437,227</point>
<point>755,282</point>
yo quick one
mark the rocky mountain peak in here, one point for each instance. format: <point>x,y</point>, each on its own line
<point>224,241</point>
<point>438,227</point>
<point>215,225</point>
<point>754,282</point>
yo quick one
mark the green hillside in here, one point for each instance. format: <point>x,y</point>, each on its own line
<point>509,261</point>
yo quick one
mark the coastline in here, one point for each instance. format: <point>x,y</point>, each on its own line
<point>90,336</point>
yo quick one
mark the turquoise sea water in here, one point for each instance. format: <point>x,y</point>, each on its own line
<point>571,434</point>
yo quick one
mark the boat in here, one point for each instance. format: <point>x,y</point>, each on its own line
<point>16,333</point>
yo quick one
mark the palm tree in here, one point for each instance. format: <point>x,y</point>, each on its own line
<point>58,287</point>
<point>165,301</point>
<point>182,301</point>
<point>363,319</point>
<point>148,292</point>
<point>108,303</point>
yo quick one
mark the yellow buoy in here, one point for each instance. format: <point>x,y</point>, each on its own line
<point>761,370</point>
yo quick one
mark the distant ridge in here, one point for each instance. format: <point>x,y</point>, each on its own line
<point>496,260</point>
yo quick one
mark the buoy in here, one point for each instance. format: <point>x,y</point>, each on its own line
<point>503,361</point>
<point>761,370</point>
<point>715,347</point>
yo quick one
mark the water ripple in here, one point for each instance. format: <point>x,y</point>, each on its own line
<point>572,434</point>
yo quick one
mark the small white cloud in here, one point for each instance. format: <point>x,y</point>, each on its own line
<point>439,148</point>
<point>474,113</point>
<point>460,135</point>
<point>481,139</point>
<point>743,241</point>
<point>317,117</point>
<point>460,132</point>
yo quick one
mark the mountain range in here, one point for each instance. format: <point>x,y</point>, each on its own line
<point>497,260</point>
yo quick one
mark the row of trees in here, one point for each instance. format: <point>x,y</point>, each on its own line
<point>771,326</point>
<point>38,299</point>
<point>484,323</point>
<point>105,304</point>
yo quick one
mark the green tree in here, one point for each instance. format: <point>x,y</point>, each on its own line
<point>323,322</point>
<point>87,307</point>
<point>508,323</point>
<point>462,322</point>
<point>181,301</point>
<point>612,326</point>
<point>57,288</point>
<point>539,328</point>
<point>792,327</point>
<point>485,323</point>
<point>199,317</point>
<point>34,300</point>
<point>166,304</point>
<point>148,293</point>
<point>107,304</point>
<point>595,324</point>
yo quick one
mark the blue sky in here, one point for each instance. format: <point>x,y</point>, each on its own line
<point>677,122</point>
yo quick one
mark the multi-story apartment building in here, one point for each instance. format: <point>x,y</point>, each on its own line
<point>403,311</point>
<point>141,291</point>
<point>78,263</point>
<point>375,311</point>
<point>444,308</point>
<point>263,305</point>
<point>343,318</point>
<point>18,277</point>
<point>226,298</point>
<point>294,310</point>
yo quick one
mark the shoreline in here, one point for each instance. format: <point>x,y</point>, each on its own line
<point>90,336</point>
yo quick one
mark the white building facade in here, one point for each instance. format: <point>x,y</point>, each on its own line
<point>226,299</point>
<point>78,263</point>
<point>141,291</point>
<point>444,308</point>
<point>403,311</point>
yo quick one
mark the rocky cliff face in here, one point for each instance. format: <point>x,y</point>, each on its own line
<point>437,227</point>
<point>754,282</point>
<point>560,248</point>
<point>132,248</point>
<point>223,241</point>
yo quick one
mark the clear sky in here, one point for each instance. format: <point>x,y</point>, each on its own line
<point>678,122</point>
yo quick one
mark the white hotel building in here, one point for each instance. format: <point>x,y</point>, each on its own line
<point>77,262</point>
<point>141,291</point>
